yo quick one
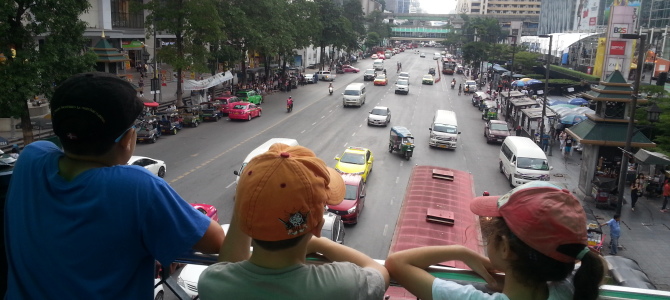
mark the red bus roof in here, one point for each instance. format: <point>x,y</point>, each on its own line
<point>425,192</point>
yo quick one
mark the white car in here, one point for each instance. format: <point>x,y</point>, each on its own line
<point>404,75</point>
<point>155,166</point>
<point>158,290</point>
<point>471,85</point>
<point>379,115</point>
<point>422,54</point>
<point>402,86</point>
<point>310,78</point>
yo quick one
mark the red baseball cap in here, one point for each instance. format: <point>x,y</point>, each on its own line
<point>541,213</point>
<point>282,193</point>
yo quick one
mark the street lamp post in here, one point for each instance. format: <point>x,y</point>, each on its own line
<point>511,76</point>
<point>631,118</point>
<point>545,92</point>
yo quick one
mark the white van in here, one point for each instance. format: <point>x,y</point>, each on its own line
<point>388,53</point>
<point>354,94</point>
<point>378,65</point>
<point>521,161</point>
<point>437,55</point>
<point>444,130</point>
<point>262,149</point>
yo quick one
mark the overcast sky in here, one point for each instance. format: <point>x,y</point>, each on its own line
<point>438,6</point>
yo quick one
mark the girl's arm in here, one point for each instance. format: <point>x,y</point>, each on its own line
<point>408,267</point>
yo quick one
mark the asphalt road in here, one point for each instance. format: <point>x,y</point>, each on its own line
<point>201,160</point>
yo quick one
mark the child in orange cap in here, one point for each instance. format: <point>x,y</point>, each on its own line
<point>279,210</point>
<point>535,234</point>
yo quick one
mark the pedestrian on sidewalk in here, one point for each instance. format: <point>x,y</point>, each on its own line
<point>561,138</point>
<point>636,190</point>
<point>518,130</point>
<point>615,233</point>
<point>666,195</point>
<point>567,149</point>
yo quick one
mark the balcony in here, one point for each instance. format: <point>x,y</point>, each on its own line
<point>465,277</point>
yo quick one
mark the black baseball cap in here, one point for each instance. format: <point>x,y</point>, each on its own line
<point>94,107</point>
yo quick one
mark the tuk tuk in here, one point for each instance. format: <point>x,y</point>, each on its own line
<point>478,98</point>
<point>190,115</point>
<point>431,71</point>
<point>489,110</point>
<point>170,122</point>
<point>401,141</point>
<point>148,131</point>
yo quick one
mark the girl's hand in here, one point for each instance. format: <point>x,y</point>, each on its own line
<point>484,268</point>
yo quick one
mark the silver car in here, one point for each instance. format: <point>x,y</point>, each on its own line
<point>402,86</point>
<point>380,116</point>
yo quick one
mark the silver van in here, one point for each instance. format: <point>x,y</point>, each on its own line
<point>521,161</point>
<point>378,65</point>
<point>354,94</point>
<point>444,130</point>
<point>260,150</point>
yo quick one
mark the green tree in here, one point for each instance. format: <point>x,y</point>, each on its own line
<point>36,69</point>
<point>372,40</point>
<point>194,24</point>
<point>526,61</point>
<point>353,11</point>
<point>475,52</point>
<point>331,26</point>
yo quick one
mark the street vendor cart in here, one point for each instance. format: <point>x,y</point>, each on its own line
<point>401,141</point>
<point>604,192</point>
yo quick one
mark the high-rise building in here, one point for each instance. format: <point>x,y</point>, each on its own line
<point>558,16</point>
<point>498,7</point>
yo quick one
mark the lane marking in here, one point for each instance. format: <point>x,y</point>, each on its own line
<point>397,179</point>
<point>386,228</point>
<point>230,184</point>
<point>302,132</point>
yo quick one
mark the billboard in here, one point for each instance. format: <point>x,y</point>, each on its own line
<point>587,15</point>
<point>619,53</point>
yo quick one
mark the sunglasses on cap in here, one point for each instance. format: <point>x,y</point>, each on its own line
<point>124,133</point>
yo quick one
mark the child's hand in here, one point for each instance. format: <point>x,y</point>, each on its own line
<point>483,267</point>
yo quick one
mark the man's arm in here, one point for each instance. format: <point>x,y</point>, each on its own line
<point>212,239</point>
<point>236,245</point>
<point>336,252</point>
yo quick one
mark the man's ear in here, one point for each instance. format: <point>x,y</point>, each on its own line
<point>128,138</point>
<point>317,230</point>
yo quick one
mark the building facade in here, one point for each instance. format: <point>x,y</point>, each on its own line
<point>499,7</point>
<point>557,16</point>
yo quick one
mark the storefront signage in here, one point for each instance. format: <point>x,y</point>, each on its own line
<point>618,48</point>
<point>132,44</point>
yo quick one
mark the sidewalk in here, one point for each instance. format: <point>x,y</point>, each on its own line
<point>645,235</point>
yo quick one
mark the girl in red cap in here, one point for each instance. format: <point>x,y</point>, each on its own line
<point>534,235</point>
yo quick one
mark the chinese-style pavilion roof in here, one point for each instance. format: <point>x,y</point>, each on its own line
<point>107,53</point>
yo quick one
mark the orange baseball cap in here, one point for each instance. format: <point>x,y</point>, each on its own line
<point>282,193</point>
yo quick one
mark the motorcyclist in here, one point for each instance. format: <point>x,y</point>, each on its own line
<point>330,88</point>
<point>289,103</point>
<point>453,83</point>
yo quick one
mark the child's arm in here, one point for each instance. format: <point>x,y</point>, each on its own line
<point>408,266</point>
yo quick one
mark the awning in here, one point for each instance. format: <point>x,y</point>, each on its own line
<point>607,134</point>
<point>652,158</point>
<point>196,85</point>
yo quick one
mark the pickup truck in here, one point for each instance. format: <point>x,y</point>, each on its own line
<point>325,75</point>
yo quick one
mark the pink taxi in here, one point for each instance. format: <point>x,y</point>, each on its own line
<point>244,111</point>
<point>226,102</point>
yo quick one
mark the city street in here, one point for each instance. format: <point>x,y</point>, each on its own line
<point>201,160</point>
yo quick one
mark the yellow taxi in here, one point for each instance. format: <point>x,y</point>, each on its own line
<point>355,160</point>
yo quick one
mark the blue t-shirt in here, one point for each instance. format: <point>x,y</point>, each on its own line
<point>615,228</point>
<point>95,237</point>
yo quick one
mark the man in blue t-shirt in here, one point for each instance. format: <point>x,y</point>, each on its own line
<point>615,233</point>
<point>80,223</point>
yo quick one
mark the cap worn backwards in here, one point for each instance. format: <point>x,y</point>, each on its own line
<point>94,106</point>
<point>542,214</point>
<point>282,193</point>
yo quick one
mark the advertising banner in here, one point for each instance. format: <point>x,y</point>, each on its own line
<point>587,15</point>
<point>619,51</point>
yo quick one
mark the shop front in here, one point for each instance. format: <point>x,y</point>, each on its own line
<point>134,48</point>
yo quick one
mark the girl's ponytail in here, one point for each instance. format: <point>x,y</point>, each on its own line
<point>589,277</point>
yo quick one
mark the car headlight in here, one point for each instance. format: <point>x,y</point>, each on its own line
<point>351,210</point>
<point>338,170</point>
<point>492,135</point>
<point>518,175</point>
<point>180,282</point>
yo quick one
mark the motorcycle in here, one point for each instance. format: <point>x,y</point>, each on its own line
<point>453,84</point>
<point>289,107</point>
<point>330,90</point>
